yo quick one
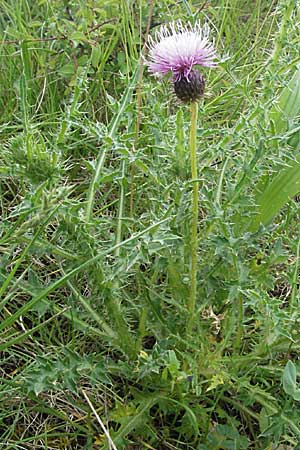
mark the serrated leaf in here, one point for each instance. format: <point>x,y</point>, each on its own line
<point>226,437</point>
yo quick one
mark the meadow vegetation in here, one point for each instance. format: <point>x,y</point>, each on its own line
<point>95,184</point>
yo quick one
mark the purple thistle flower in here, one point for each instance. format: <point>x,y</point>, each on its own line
<point>177,49</point>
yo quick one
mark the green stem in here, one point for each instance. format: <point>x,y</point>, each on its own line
<point>294,297</point>
<point>240,328</point>
<point>101,158</point>
<point>121,210</point>
<point>287,7</point>
<point>194,229</point>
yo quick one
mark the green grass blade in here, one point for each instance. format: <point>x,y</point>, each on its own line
<point>25,252</point>
<point>21,337</point>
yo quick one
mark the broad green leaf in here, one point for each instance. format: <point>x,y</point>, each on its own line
<point>286,183</point>
<point>287,106</point>
<point>78,36</point>
<point>283,187</point>
<point>289,381</point>
<point>96,56</point>
<point>286,110</point>
<point>67,70</point>
<point>289,378</point>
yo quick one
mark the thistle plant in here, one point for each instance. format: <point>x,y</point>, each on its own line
<point>177,49</point>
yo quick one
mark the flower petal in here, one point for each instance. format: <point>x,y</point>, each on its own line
<point>177,48</point>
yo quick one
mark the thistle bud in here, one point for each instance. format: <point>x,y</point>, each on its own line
<point>191,88</point>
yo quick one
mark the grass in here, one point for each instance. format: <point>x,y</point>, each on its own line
<point>95,190</point>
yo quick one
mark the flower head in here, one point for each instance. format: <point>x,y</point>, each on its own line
<point>177,49</point>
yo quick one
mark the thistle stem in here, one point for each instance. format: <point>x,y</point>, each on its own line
<point>287,8</point>
<point>194,229</point>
